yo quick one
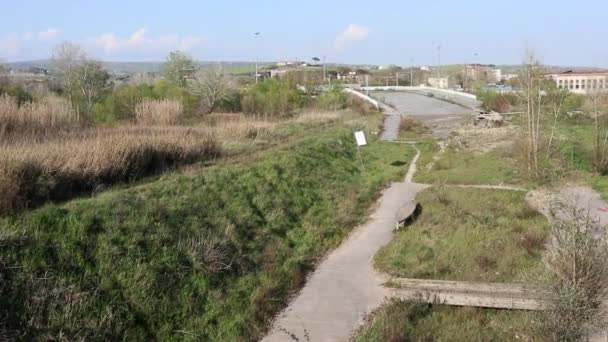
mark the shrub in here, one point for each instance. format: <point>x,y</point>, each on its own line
<point>359,105</point>
<point>158,112</point>
<point>276,98</point>
<point>498,102</point>
<point>411,125</point>
<point>577,265</point>
<point>16,91</point>
<point>332,100</point>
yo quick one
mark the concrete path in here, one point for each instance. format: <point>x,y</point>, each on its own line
<point>442,116</point>
<point>392,120</point>
<point>345,286</point>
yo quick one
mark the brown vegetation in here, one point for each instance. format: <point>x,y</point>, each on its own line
<point>32,173</point>
<point>158,112</point>
<point>49,114</point>
<point>411,125</point>
<point>60,164</point>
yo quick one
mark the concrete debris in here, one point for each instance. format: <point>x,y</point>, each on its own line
<point>489,119</point>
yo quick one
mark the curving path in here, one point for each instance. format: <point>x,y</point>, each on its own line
<point>345,285</point>
<point>442,116</point>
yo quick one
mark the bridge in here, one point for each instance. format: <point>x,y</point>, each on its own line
<point>460,98</point>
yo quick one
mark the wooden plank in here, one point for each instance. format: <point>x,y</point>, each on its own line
<point>459,293</point>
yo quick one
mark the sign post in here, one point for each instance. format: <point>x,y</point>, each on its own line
<point>360,139</point>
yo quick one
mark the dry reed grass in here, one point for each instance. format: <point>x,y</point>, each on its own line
<point>75,163</point>
<point>231,127</point>
<point>158,112</point>
<point>318,116</point>
<point>51,113</point>
<point>36,168</point>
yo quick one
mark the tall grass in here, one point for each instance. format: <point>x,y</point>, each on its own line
<point>51,113</point>
<point>158,112</point>
<point>73,163</point>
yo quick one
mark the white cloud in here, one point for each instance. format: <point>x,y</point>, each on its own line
<point>141,41</point>
<point>11,45</point>
<point>353,33</point>
<point>48,34</point>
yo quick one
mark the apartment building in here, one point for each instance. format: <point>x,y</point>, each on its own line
<point>582,82</point>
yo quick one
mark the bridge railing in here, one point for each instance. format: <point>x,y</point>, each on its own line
<point>363,96</point>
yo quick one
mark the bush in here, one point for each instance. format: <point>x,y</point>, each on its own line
<point>577,279</point>
<point>275,98</point>
<point>332,100</point>
<point>411,125</point>
<point>18,92</point>
<point>493,101</point>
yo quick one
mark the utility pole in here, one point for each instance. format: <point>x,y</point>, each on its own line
<point>396,79</point>
<point>257,34</point>
<point>439,60</point>
<point>411,72</point>
<point>324,68</point>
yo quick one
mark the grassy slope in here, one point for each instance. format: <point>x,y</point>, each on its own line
<point>460,167</point>
<point>467,234</point>
<point>149,262</point>
<point>408,321</point>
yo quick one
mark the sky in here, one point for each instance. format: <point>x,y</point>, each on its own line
<point>560,32</point>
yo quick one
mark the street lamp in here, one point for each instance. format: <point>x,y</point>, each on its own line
<point>257,34</point>
<point>411,72</point>
<point>439,60</point>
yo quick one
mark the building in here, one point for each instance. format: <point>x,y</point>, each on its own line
<point>497,75</point>
<point>482,72</point>
<point>583,82</point>
<point>438,82</point>
<point>508,77</point>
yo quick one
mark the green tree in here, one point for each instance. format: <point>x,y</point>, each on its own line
<point>90,82</point>
<point>178,67</point>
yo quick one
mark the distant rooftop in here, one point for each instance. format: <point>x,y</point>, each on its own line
<point>583,73</point>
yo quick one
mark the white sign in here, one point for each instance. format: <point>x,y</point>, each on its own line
<point>360,137</point>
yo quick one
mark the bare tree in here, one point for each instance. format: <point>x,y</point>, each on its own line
<point>555,100</point>
<point>212,85</point>
<point>597,105</point>
<point>531,82</point>
<point>91,81</point>
<point>66,58</point>
<point>577,261</point>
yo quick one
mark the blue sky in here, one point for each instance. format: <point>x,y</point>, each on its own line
<point>376,32</point>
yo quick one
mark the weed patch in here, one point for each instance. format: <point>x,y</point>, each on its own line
<point>471,239</point>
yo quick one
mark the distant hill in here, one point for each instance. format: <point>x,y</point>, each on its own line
<point>130,67</point>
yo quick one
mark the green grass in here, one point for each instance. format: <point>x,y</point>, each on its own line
<point>400,320</point>
<point>469,235</point>
<point>464,167</point>
<point>211,254</point>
